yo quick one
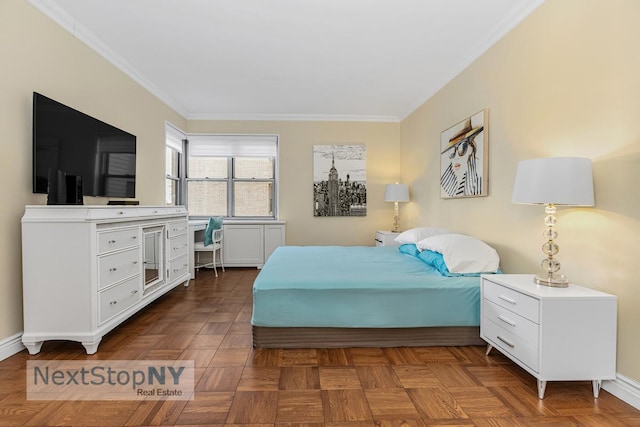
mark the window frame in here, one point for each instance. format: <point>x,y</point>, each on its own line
<point>231,179</point>
<point>175,141</point>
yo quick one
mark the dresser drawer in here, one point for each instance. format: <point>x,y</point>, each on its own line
<point>117,239</point>
<point>511,344</point>
<point>112,213</point>
<point>178,267</point>
<point>514,301</point>
<point>177,228</point>
<point>178,246</point>
<point>116,299</point>
<point>118,266</point>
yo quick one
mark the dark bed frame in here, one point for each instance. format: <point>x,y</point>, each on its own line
<point>267,337</point>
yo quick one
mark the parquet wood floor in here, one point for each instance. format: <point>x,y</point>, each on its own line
<point>236,385</point>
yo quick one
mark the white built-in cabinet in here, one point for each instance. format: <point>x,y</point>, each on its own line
<point>251,244</point>
<point>86,269</point>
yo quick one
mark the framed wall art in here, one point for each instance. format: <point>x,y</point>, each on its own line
<point>340,180</point>
<point>464,158</point>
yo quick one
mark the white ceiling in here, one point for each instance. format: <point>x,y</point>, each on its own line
<point>290,59</point>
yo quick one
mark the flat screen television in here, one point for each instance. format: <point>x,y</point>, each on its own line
<point>73,143</point>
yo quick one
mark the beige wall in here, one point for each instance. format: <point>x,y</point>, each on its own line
<point>296,140</point>
<point>38,55</point>
<point>565,82</point>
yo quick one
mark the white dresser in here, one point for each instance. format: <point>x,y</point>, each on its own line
<point>555,334</point>
<point>86,269</point>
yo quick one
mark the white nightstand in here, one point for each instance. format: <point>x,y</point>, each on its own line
<point>385,238</point>
<point>555,334</point>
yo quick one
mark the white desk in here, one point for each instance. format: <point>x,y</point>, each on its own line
<point>246,243</point>
<point>194,227</point>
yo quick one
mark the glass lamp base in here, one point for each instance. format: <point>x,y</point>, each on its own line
<point>552,280</point>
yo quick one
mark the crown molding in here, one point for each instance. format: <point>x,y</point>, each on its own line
<point>69,23</point>
<point>294,117</point>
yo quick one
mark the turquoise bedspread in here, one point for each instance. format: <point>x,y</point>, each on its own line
<point>359,287</point>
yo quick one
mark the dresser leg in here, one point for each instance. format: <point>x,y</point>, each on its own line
<point>91,346</point>
<point>541,386</point>
<point>33,347</point>
<point>489,347</point>
<point>596,388</point>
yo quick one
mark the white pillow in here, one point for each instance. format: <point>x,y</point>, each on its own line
<point>414,235</point>
<point>463,253</point>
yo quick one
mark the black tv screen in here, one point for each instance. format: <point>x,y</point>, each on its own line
<point>74,143</point>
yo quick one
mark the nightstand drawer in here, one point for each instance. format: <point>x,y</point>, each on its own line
<point>516,325</point>
<point>518,347</point>
<point>514,301</point>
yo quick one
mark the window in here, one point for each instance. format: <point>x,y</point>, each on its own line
<point>173,165</point>
<point>232,175</point>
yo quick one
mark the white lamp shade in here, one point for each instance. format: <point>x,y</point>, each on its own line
<point>554,180</point>
<point>396,193</point>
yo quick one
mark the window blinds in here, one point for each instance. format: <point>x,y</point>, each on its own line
<point>174,137</point>
<point>233,145</point>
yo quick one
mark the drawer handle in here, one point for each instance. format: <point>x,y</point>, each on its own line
<point>120,213</point>
<point>112,269</point>
<point>113,302</point>
<point>507,342</point>
<point>134,237</point>
<point>134,262</point>
<point>111,242</point>
<point>507,299</point>
<point>180,247</point>
<point>507,321</point>
<point>135,291</point>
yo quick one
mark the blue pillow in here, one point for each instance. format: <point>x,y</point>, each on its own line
<point>409,249</point>
<point>215,223</point>
<point>436,260</point>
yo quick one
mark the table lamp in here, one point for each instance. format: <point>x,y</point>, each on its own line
<point>553,181</point>
<point>396,193</point>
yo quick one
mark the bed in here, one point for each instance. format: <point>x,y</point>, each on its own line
<point>336,296</point>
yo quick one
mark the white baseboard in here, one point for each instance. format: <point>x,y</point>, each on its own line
<point>624,389</point>
<point>10,346</point>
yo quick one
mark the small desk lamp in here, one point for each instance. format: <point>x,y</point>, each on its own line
<point>553,181</point>
<point>396,193</point>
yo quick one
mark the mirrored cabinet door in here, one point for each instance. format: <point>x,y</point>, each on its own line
<point>153,258</point>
